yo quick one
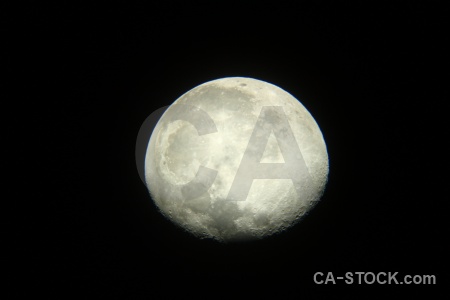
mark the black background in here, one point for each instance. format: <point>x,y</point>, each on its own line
<point>372,75</point>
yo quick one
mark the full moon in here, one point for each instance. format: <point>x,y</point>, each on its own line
<point>236,159</point>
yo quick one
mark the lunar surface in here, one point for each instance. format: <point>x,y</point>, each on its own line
<point>236,159</point>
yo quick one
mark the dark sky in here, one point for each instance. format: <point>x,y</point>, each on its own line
<point>372,75</point>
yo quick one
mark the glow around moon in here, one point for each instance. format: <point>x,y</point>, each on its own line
<point>236,159</point>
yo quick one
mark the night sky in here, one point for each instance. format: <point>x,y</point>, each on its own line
<point>372,75</point>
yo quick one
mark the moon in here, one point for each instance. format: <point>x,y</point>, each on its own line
<point>236,159</point>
